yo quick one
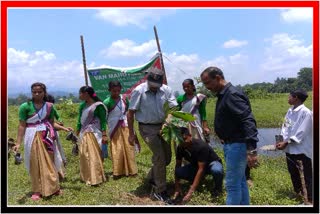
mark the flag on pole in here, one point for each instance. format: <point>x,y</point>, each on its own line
<point>128,77</point>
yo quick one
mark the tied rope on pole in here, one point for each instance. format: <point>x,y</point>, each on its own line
<point>174,64</point>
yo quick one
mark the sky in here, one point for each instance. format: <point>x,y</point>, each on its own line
<point>249,45</point>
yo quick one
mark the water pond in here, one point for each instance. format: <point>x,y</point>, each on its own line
<point>266,137</point>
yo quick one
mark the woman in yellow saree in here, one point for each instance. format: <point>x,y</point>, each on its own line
<point>122,152</point>
<point>92,130</point>
<point>42,160</point>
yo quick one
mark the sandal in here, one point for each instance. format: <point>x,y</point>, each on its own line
<point>36,196</point>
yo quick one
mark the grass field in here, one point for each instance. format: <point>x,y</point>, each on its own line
<point>272,185</point>
<point>269,113</point>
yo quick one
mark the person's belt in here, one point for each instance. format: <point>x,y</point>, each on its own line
<point>150,124</point>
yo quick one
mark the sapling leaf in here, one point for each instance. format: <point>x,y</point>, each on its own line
<point>184,115</point>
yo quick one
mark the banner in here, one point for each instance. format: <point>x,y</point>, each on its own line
<point>128,77</point>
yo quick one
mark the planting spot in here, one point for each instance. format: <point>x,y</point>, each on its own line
<point>131,199</point>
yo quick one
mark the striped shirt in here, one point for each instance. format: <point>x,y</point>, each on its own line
<point>149,105</point>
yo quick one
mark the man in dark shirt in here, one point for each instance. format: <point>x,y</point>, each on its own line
<point>236,127</point>
<point>202,160</point>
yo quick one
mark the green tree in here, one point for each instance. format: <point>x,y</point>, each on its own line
<point>201,88</point>
<point>304,79</point>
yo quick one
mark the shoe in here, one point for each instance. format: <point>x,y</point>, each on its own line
<point>151,182</point>
<point>163,196</point>
<point>216,193</point>
<point>36,196</point>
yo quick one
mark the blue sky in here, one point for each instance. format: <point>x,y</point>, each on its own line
<point>250,45</point>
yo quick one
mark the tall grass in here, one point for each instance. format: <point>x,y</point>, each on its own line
<point>272,185</point>
<point>268,112</point>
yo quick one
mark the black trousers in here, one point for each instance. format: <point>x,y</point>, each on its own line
<point>292,163</point>
<point>248,173</point>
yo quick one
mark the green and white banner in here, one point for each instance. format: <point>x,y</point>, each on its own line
<point>128,77</point>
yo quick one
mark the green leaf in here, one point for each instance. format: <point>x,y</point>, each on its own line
<point>171,133</point>
<point>166,109</point>
<point>166,134</point>
<point>176,134</point>
<point>173,109</point>
<point>184,115</point>
<point>179,122</point>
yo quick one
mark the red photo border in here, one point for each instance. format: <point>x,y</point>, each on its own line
<point>165,4</point>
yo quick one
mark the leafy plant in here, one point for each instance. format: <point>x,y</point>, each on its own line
<point>175,119</point>
<point>185,116</point>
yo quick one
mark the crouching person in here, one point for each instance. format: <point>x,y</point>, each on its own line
<point>202,161</point>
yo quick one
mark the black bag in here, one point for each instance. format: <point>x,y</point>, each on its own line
<point>17,159</point>
<point>72,137</point>
<point>75,149</point>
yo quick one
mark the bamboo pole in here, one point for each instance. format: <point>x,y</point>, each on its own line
<point>303,182</point>
<point>159,49</point>
<point>84,61</point>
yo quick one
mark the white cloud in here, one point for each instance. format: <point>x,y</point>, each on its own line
<point>235,68</point>
<point>285,55</point>
<point>15,57</point>
<point>238,58</point>
<point>297,14</point>
<point>19,57</point>
<point>181,67</point>
<point>57,75</point>
<point>234,43</point>
<point>128,48</point>
<point>220,62</point>
<point>140,18</point>
<point>25,68</point>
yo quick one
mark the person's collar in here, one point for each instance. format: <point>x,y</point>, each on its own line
<point>298,107</point>
<point>146,88</point>
<point>224,89</point>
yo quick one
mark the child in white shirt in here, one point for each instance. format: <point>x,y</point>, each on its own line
<point>297,141</point>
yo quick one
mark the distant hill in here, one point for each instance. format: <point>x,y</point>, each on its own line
<point>54,93</point>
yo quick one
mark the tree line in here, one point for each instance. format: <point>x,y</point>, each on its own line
<point>21,98</point>
<point>280,85</point>
<point>255,90</point>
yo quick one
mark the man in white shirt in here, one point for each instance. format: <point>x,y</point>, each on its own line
<point>297,141</point>
<point>147,107</point>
